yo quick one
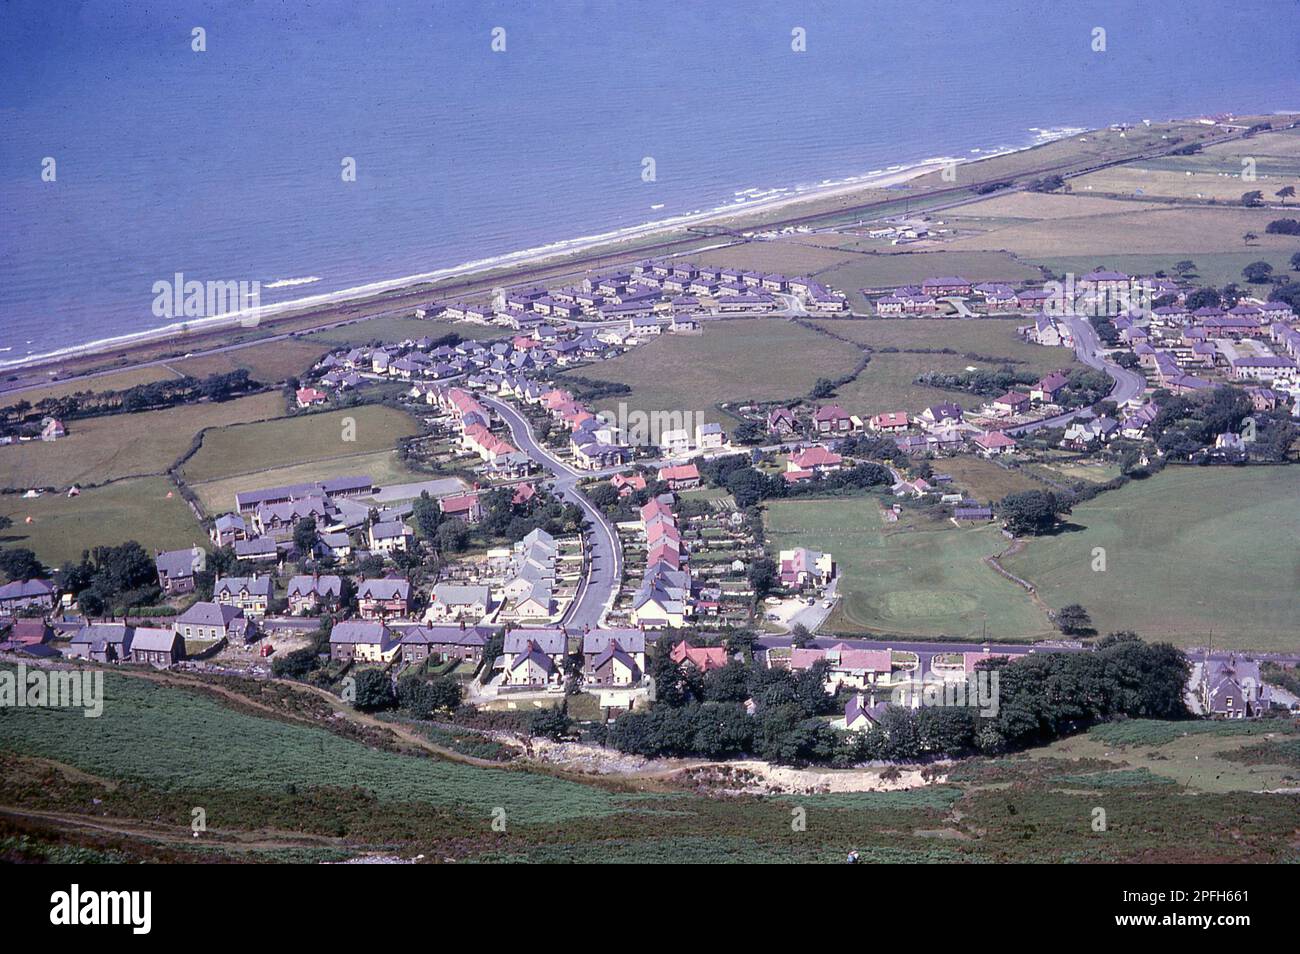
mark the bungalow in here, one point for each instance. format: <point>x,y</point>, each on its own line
<point>701,658</point>
<point>176,569</point>
<point>832,419</point>
<point>307,397</point>
<point>680,477</point>
<point>993,444</point>
<point>816,459</point>
<point>251,594</point>
<point>452,601</point>
<point>1013,402</point>
<point>156,647</point>
<point>24,594</point>
<point>846,666</point>
<point>211,621</point>
<point>363,641</point>
<point>801,566</point>
<point>627,485</point>
<point>382,598</point>
<point>259,550</point>
<point>310,594</point>
<point>890,422</point>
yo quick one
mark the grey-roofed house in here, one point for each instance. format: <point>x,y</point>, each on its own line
<point>252,594</point>
<point>102,642</point>
<point>308,594</point>
<point>613,657</point>
<point>364,640</point>
<point>156,647</point>
<point>176,569</point>
<point>448,642</point>
<point>452,601</point>
<point>211,621</point>
<point>21,594</point>
<point>381,598</point>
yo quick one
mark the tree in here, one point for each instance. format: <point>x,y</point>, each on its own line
<point>1030,511</point>
<point>1283,227</point>
<point>799,636</point>
<point>423,697</point>
<point>1284,193</point>
<point>1258,273</point>
<point>304,536</point>
<point>824,388</point>
<point>1252,199</point>
<point>20,563</point>
<point>426,516</point>
<point>1249,237</point>
<point>762,576</point>
<point>374,690</point>
<point>1295,262</point>
<point>1185,269</point>
<point>551,723</point>
<point>1204,298</point>
<point>1073,620</point>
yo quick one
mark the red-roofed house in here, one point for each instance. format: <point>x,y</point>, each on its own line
<point>702,658</point>
<point>464,507</point>
<point>993,443</point>
<point>832,419</point>
<point>681,477</point>
<point>310,396</point>
<point>891,422</point>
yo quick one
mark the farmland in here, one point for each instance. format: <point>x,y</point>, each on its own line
<point>137,509</point>
<point>1189,552</point>
<point>268,363</point>
<point>394,330</point>
<point>915,577</point>
<point>110,381</point>
<point>383,467</point>
<point>288,441</point>
<point>738,360</point>
<point>100,449</point>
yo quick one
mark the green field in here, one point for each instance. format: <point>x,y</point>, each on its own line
<point>915,577</point>
<point>889,383</point>
<point>114,381</point>
<point>984,480</point>
<point>1190,552</point>
<point>136,509</point>
<point>1212,268</point>
<point>269,363</point>
<point>756,359</point>
<point>395,330</point>
<point>100,449</point>
<point>891,269</point>
<point>289,441</point>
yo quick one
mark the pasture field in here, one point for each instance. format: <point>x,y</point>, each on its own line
<point>989,337</point>
<point>780,255</point>
<point>1143,228</point>
<point>983,480</point>
<point>753,359</point>
<point>916,578</point>
<point>1189,552</point>
<point>383,467</point>
<point>100,449</point>
<point>889,383</point>
<point>288,441</point>
<point>110,381</point>
<point>135,509</point>
<point>268,363</point>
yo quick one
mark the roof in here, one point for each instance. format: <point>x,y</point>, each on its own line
<point>355,631</point>
<point>553,640</point>
<point>178,563</point>
<point>20,589</point>
<point>444,636</point>
<point>384,589</point>
<point>465,594</point>
<point>596,640</point>
<point>320,585</point>
<point>150,639</point>
<point>210,614</point>
<point>680,472</point>
<point>254,585</point>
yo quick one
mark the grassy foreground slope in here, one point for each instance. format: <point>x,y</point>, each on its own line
<point>123,787</point>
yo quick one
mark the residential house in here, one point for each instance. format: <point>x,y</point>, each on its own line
<point>459,601</point>
<point>702,658</point>
<point>832,419</point>
<point>680,477</point>
<point>227,529</point>
<point>25,594</point>
<point>801,566</point>
<point>176,569</point>
<point>102,642</point>
<point>613,657</point>
<point>363,641</point>
<point>211,621</point>
<point>383,598</point>
<point>312,594</point>
<point>463,507</point>
<point>156,647</point>
<point>252,594</point>
<point>993,444</point>
<point>390,537</point>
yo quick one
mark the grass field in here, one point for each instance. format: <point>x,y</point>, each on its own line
<point>394,330</point>
<point>922,580</point>
<point>993,337</point>
<point>269,363</point>
<point>1212,268</point>
<point>100,449</point>
<point>383,467</point>
<point>1188,552</point>
<point>740,360</point>
<point>781,255</point>
<point>136,509</point>
<point>289,441</point>
<point>889,383</point>
<point>984,480</point>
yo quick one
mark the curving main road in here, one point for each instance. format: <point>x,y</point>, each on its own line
<point>599,585</point>
<point>1127,384</point>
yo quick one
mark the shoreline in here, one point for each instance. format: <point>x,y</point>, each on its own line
<point>754,200</point>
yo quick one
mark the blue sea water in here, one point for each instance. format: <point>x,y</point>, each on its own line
<point>225,165</point>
